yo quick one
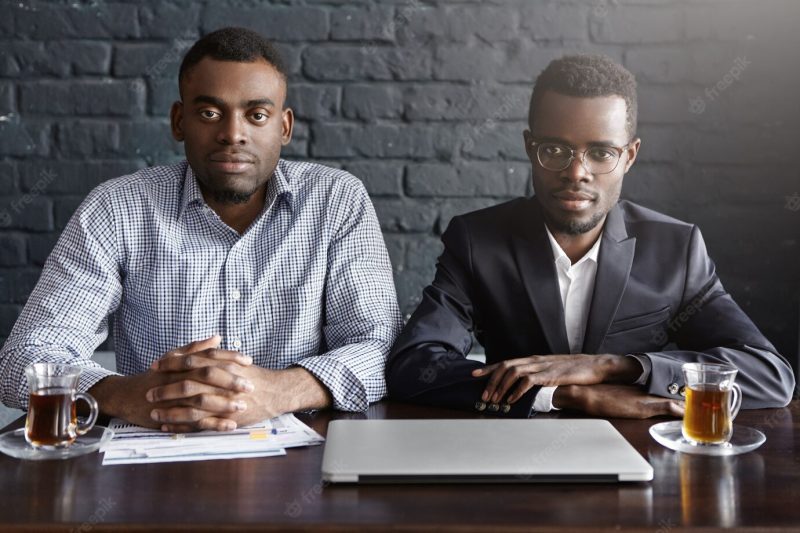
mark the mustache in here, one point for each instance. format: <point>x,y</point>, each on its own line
<point>237,156</point>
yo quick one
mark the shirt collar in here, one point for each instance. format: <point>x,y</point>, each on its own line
<point>561,257</point>
<point>277,187</point>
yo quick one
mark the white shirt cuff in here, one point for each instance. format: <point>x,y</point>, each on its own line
<point>647,367</point>
<point>543,402</point>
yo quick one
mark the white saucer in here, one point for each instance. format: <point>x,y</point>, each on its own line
<point>13,443</point>
<point>743,440</point>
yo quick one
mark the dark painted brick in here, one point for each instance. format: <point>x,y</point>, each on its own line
<point>473,179</point>
<point>72,177</point>
<point>8,176</point>
<point>367,62</point>
<point>6,98</point>
<point>457,102</point>
<point>459,207</point>
<point>116,98</point>
<point>295,23</point>
<point>168,21</point>
<point>149,140</point>
<point>314,102</point>
<point>150,60</point>
<point>64,207</point>
<point>17,283</point>
<point>8,317</point>
<point>381,141</point>
<point>660,65</point>
<point>637,24</point>
<point>420,23</point>
<point>406,215</point>
<point>40,246</point>
<point>12,250</point>
<point>26,212</point>
<point>161,94</point>
<point>371,101</point>
<point>41,20</point>
<point>62,58</point>
<point>85,137</point>
<point>380,179</point>
<point>396,246</point>
<point>493,140</point>
<point>376,23</point>
<point>29,138</point>
<point>555,20</point>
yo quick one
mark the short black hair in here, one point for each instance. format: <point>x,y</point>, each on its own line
<point>587,76</point>
<point>232,44</point>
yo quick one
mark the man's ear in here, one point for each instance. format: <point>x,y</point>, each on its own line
<point>632,151</point>
<point>287,126</point>
<point>176,121</point>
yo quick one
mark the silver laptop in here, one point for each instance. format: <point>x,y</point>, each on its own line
<point>479,451</point>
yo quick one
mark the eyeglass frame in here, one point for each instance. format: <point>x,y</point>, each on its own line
<point>573,151</point>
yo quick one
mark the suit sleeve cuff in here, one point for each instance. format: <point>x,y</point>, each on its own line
<point>647,367</point>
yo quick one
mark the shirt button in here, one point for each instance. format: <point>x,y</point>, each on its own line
<point>237,343</point>
<point>235,294</point>
<point>673,388</point>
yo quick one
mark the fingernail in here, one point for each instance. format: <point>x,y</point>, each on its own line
<point>154,415</point>
<point>485,396</point>
<point>246,359</point>
<point>246,386</point>
<point>165,428</point>
<point>239,406</point>
<point>154,365</point>
<point>149,395</point>
<point>228,426</point>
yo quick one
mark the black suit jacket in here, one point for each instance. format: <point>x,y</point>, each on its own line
<point>656,293</point>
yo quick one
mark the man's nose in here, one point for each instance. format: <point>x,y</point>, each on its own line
<point>576,171</point>
<point>232,131</point>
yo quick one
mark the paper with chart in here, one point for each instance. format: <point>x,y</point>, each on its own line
<point>135,444</point>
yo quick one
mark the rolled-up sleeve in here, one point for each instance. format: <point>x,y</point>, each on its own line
<point>362,318</point>
<point>66,315</point>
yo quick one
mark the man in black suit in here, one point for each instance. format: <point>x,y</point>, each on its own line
<point>580,300</point>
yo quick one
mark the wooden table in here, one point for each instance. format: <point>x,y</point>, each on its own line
<point>756,490</point>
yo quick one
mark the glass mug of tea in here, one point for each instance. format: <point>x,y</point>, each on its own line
<point>712,402</point>
<point>52,420</point>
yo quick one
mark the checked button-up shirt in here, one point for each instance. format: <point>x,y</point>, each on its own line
<point>309,283</point>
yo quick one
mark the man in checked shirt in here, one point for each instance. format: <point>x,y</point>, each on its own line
<point>242,285</point>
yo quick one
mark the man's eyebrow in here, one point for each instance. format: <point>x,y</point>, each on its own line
<point>259,102</point>
<point>559,140</point>
<point>213,100</point>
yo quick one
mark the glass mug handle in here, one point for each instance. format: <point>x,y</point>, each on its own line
<point>736,400</point>
<point>84,428</point>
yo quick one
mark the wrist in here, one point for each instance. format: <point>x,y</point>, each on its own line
<point>106,392</point>
<point>565,397</point>
<point>622,369</point>
<point>304,391</point>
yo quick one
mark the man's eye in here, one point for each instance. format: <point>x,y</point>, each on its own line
<point>259,117</point>
<point>206,113</point>
<point>602,154</point>
<point>554,150</point>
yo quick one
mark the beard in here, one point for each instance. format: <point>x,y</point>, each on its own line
<point>226,196</point>
<point>576,227</point>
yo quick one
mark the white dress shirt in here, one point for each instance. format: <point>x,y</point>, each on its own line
<point>576,285</point>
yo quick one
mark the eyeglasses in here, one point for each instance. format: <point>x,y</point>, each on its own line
<point>596,159</point>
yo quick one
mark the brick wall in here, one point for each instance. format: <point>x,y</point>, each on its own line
<point>425,102</point>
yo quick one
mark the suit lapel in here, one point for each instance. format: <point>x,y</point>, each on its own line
<point>537,270</point>
<point>613,269</point>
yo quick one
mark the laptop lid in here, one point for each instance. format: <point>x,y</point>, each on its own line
<point>479,451</point>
